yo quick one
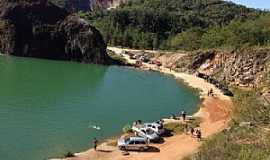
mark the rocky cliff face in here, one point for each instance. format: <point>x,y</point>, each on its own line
<point>243,68</point>
<point>37,28</point>
<point>246,69</point>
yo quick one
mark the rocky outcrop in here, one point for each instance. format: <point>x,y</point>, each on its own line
<point>37,28</point>
<point>243,68</point>
<point>200,58</point>
<point>246,69</point>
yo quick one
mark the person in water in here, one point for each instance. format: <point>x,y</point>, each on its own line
<point>95,142</point>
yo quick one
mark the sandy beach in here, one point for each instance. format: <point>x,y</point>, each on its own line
<point>192,80</point>
<point>214,113</point>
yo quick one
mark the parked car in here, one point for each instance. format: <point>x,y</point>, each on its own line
<point>147,133</point>
<point>133,143</point>
<point>156,127</point>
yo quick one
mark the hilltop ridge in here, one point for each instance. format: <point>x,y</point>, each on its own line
<point>170,24</point>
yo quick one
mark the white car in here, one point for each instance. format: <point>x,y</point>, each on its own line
<point>133,143</point>
<point>156,127</point>
<point>147,133</point>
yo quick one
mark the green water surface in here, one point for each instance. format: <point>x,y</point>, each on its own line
<point>46,106</point>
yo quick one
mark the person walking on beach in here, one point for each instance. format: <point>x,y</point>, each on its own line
<point>183,114</point>
<point>95,142</point>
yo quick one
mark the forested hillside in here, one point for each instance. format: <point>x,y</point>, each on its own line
<point>181,24</point>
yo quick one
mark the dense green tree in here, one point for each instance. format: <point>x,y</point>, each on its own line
<point>167,24</point>
<point>188,40</point>
<point>181,24</point>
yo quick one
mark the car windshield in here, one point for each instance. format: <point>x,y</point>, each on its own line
<point>127,140</point>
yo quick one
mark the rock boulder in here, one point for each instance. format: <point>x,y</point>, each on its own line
<point>38,28</point>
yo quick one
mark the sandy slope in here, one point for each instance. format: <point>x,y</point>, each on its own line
<point>214,113</point>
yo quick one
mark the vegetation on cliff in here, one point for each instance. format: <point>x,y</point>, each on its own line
<point>248,136</point>
<point>180,24</point>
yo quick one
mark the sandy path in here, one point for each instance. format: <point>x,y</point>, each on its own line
<point>214,113</point>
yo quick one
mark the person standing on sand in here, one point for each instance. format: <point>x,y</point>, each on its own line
<point>95,142</point>
<point>199,134</point>
<point>191,131</point>
<point>183,114</point>
<point>211,92</point>
<point>148,141</point>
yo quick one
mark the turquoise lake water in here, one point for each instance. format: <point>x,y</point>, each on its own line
<point>46,106</point>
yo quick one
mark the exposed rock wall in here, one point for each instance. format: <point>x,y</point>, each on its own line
<point>243,68</point>
<point>247,68</point>
<point>37,28</point>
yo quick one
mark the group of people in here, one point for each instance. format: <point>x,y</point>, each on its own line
<point>196,132</point>
<point>210,92</point>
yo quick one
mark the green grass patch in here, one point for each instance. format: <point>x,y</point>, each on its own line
<point>175,127</point>
<point>179,128</point>
<point>127,129</point>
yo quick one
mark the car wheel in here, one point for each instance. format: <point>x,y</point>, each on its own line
<point>122,148</point>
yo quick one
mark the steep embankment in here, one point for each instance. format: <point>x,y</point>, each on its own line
<point>37,28</point>
<point>243,68</point>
